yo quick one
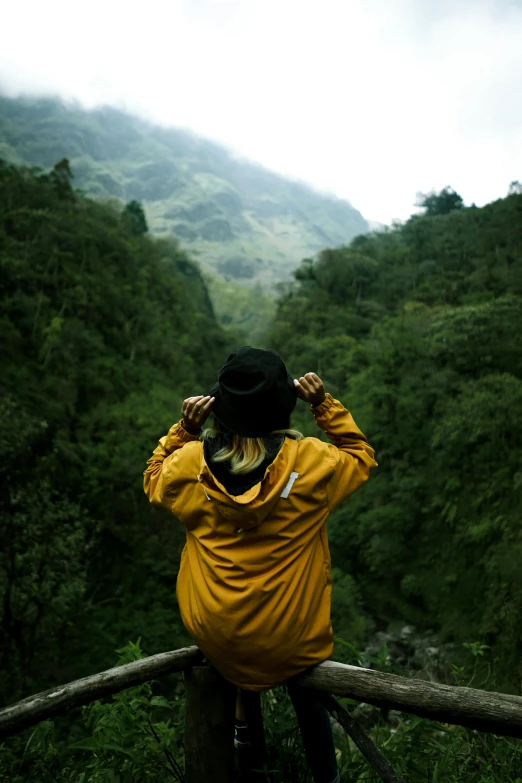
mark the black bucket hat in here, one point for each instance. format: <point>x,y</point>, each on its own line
<point>254,393</point>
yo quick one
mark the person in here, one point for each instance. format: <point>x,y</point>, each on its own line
<point>254,585</point>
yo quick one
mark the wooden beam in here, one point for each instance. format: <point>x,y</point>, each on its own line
<point>498,713</point>
<point>209,726</point>
<point>56,700</point>
<point>370,751</point>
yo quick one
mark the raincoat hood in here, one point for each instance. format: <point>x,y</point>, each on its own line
<point>251,508</point>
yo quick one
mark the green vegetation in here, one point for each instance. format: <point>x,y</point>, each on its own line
<point>105,330</point>
<point>418,330</point>
<point>240,220</point>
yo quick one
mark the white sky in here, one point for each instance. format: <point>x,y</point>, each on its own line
<point>373,100</point>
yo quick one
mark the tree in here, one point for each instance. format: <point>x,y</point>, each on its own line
<point>61,177</point>
<point>440,203</point>
<point>42,558</point>
<point>134,220</point>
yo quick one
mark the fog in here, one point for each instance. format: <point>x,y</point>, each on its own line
<point>373,100</point>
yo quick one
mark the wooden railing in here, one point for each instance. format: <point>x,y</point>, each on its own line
<point>210,706</point>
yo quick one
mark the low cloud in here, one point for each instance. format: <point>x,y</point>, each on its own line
<point>371,99</point>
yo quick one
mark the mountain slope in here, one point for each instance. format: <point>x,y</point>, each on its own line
<point>240,220</point>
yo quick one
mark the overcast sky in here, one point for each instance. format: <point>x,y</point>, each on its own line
<point>373,100</point>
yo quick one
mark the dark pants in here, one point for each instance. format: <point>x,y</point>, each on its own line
<point>314,722</point>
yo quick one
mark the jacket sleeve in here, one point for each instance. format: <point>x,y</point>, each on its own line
<point>351,455</point>
<point>161,473</point>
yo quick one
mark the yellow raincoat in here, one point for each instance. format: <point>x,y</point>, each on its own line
<point>254,586</point>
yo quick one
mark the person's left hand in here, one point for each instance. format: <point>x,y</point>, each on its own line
<point>195,411</point>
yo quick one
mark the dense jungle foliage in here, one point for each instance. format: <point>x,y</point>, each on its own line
<point>417,329</point>
<point>105,330</point>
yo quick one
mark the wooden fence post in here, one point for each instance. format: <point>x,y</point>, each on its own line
<point>209,726</point>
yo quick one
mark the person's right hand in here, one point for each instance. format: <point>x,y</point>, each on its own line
<point>195,411</point>
<point>310,388</point>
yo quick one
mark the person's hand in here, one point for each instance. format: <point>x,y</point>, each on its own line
<point>195,411</point>
<point>310,388</point>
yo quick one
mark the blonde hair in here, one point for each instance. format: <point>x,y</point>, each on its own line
<point>246,454</point>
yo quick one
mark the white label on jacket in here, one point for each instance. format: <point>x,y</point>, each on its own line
<point>289,484</point>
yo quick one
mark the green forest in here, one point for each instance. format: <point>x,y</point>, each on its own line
<point>105,329</point>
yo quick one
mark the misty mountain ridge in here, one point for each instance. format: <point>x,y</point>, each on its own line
<point>238,218</point>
